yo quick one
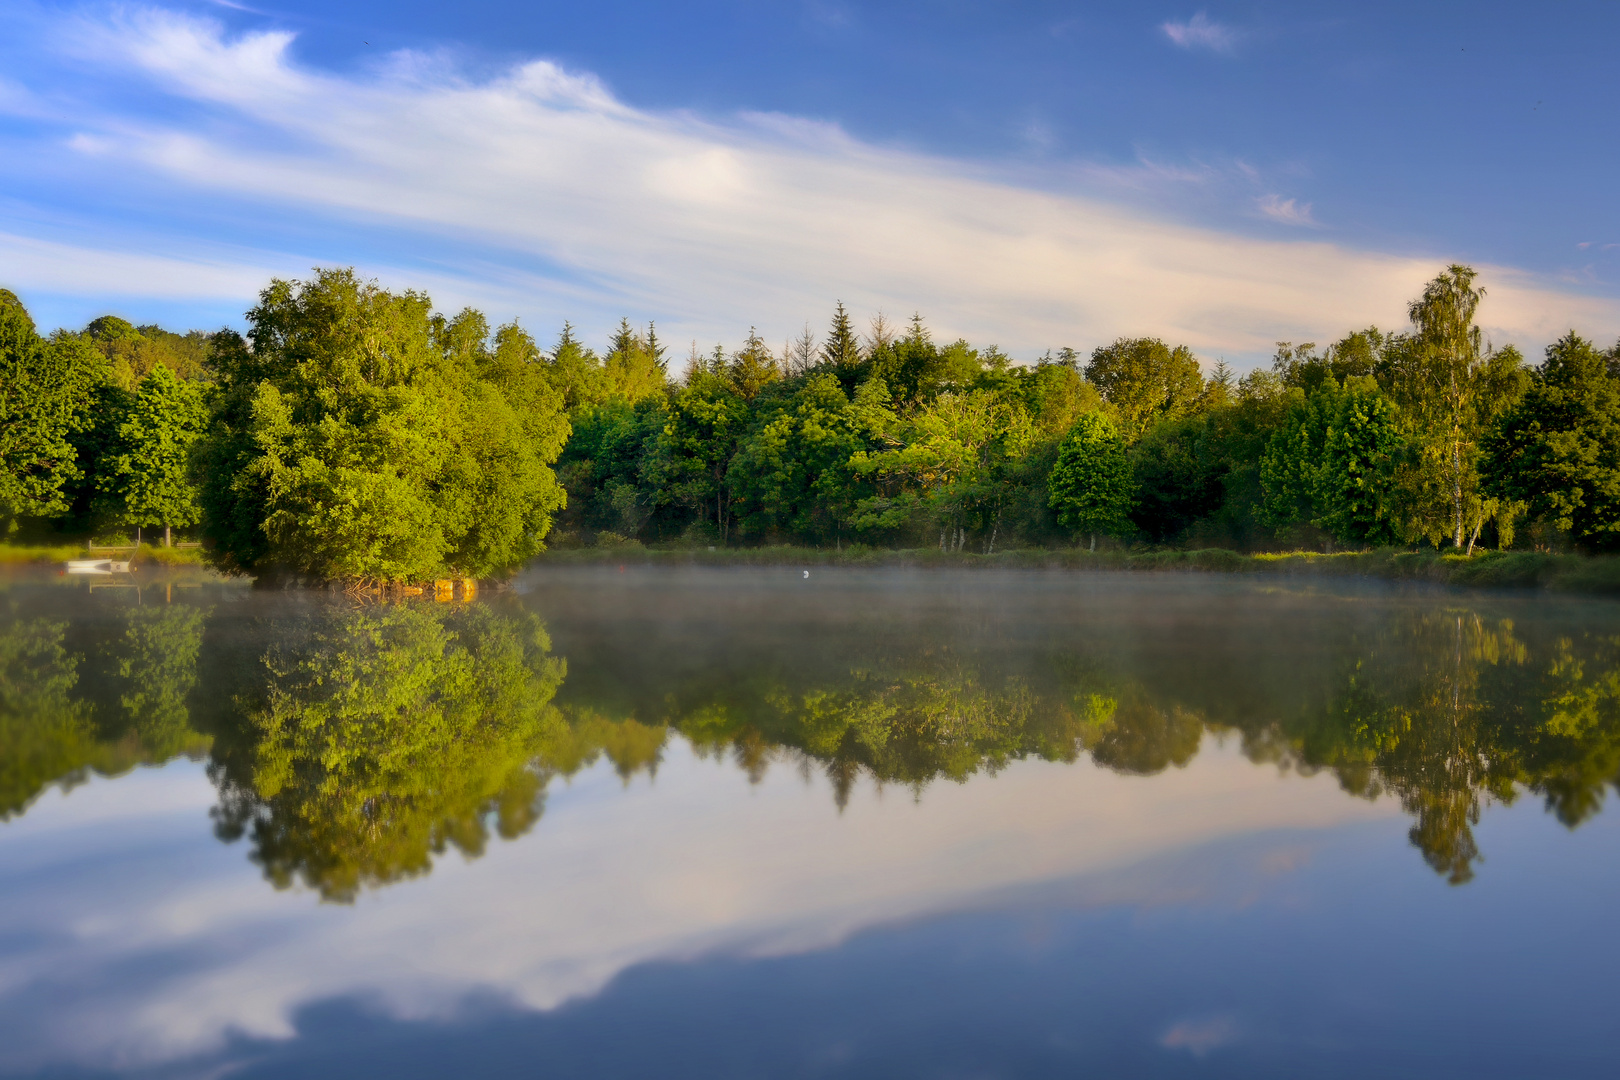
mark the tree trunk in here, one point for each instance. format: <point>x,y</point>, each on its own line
<point>166,542</point>
<point>1093,541</point>
<point>1456,489</point>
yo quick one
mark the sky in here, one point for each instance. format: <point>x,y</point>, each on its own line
<point>1032,175</point>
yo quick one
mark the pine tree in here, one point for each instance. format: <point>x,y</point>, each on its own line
<point>841,349</point>
<point>752,367</point>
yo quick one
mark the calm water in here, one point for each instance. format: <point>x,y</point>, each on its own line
<point>743,823</point>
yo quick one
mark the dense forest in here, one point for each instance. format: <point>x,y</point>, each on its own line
<point>354,433</point>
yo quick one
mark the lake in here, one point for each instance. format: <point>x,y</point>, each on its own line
<point>630,822</point>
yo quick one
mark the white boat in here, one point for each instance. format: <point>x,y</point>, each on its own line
<point>99,566</point>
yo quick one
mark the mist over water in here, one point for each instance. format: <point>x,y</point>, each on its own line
<point>716,822</point>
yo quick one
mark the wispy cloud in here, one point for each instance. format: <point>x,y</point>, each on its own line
<point>707,225</point>
<point>1201,32</point>
<point>1286,211</point>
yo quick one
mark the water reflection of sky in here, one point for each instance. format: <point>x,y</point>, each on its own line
<point>1221,916</point>
<point>134,936</point>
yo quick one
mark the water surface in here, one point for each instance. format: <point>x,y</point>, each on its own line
<point>743,822</point>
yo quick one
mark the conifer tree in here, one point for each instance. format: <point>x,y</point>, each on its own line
<point>752,367</point>
<point>841,352</point>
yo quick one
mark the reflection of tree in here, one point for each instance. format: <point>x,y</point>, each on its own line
<point>369,740</point>
<point>384,735</point>
<point>156,673</point>
<point>1448,710</point>
<point>45,735</point>
<point>903,716</point>
<point>104,700</point>
<point>1443,710</point>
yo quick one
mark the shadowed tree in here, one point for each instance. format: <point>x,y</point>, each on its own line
<point>1558,449</point>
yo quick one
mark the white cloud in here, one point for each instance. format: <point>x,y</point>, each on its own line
<point>1285,211</point>
<point>1201,32</point>
<point>610,878</point>
<point>50,266</point>
<point>711,226</point>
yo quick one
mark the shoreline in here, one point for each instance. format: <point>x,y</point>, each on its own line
<point>1597,575</point>
<point>40,554</point>
<point>1591,574</point>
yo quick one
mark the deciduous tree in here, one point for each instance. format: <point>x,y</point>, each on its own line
<point>1090,486</point>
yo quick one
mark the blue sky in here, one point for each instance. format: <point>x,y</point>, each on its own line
<point>1032,174</point>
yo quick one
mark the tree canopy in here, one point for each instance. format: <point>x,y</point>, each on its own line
<point>354,433</point>
<point>368,439</point>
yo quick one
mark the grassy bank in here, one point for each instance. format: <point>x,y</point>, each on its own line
<point>1517,569</point>
<point>59,553</point>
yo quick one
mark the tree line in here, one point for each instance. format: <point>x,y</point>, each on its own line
<point>354,433</point>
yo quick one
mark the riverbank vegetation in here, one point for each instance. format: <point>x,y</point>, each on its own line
<point>355,434</point>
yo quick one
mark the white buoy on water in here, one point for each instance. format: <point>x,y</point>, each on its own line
<point>807,573</point>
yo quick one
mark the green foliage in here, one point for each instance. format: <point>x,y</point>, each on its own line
<point>1144,380</point>
<point>356,434</point>
<point>794,474</point>
<point>1176,477</point>
<point>707,419</point>
<point>634,368</point>
<point>1358,355</point>
<point>385,736</point>
<point>609,463</point>
<point>1450,389</point>
<point>752,368</point>
<point>46,393</point>
<point>841,351</point>
<point>367,439</point>
<point>134,352</point>
<point>576,373</point>
<point>1334,463</point>
<point>948,469</point>
<point>1355,484</point>
<point>72,704</point>
<point>1558,448</point>
<point>1090,486</point>
<point>147,474</point>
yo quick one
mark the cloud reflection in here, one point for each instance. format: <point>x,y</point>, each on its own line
<point>169,960</point>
